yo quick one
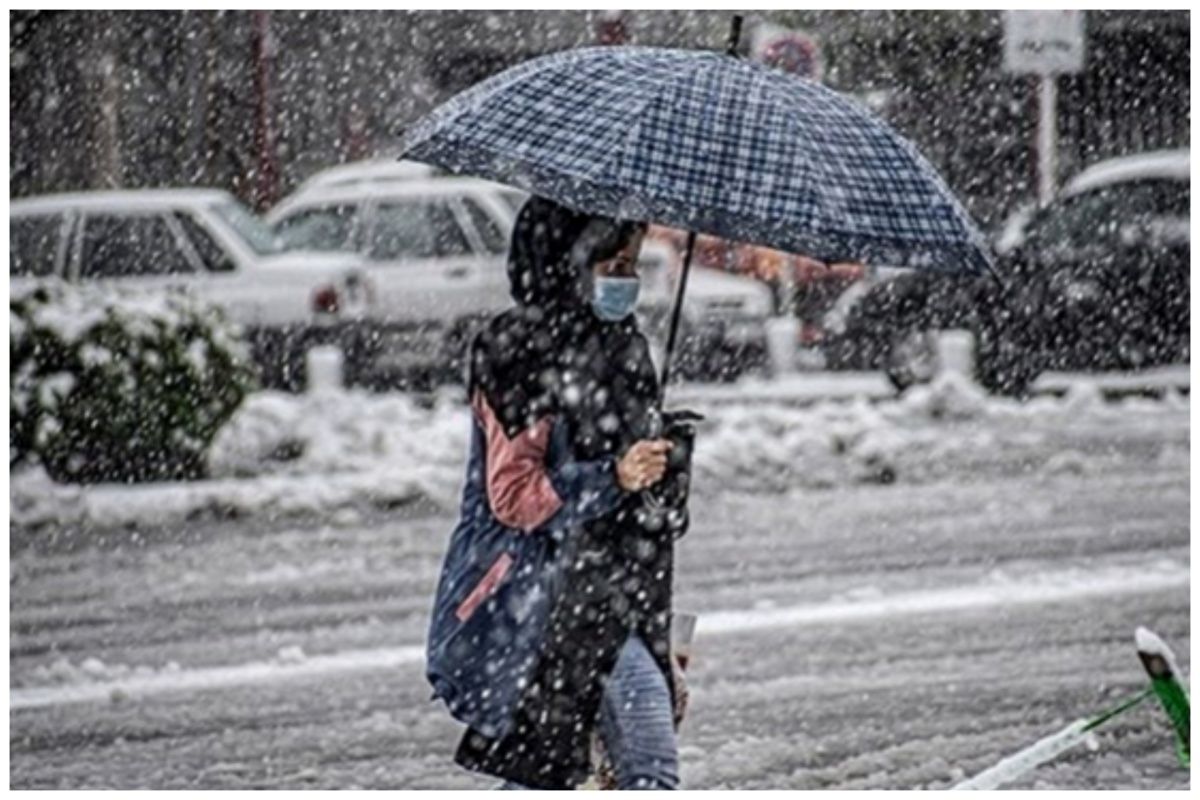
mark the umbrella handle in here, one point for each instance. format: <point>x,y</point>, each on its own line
<point>673,331</point>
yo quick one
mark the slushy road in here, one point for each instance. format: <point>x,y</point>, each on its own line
<point>866,636</point>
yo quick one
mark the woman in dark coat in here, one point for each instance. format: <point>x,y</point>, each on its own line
<point>553,610</point>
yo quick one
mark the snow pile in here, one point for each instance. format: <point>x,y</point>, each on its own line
<point>933,431</point>
<point>333,451</point>
<point>342,431</point>
<point>282,455</point>
<point>948,396</point>
<point>36,501</point>
<point>834,443</point>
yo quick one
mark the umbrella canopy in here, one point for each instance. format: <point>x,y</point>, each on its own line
<point>707,142</point>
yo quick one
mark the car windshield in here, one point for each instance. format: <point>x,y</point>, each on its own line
<point>515,199</point>
<point>250,228</point>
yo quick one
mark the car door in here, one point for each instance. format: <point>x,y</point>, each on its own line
<point>1093,269</point>
<point>37,247</point>
<point>422,264</point>
<point>1152,293</point>
<point>244,297</point>
<point>136,250</point>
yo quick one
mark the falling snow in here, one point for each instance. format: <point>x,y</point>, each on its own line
<point>941,473</point>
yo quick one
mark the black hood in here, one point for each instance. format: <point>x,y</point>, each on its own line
<point>551,253</point>
<point>542,271</point>
<point>551,354</point>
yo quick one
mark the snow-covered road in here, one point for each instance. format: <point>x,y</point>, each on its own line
<point>856,636</point>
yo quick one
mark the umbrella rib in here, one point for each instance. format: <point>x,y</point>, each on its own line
<point>971,236</point>
<point>625,145</point>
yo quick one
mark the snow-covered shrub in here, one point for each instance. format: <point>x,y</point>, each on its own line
<point>111,386</point>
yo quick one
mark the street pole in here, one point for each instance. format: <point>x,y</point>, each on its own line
<point>109,133</point>
<point>1047,141</point>
<point>265,183</point>
<point>107,161</point>
<point>1046,44</point>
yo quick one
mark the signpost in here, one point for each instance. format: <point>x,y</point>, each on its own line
<point>1048,44</point>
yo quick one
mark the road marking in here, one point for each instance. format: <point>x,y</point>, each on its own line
<point>217,677</point>
<point>1051,587</point>
<point>1045,588</point>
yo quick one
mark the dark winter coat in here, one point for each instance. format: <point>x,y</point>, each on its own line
<point>527,625</point>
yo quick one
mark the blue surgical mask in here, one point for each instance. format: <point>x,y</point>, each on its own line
<point>614,299</point>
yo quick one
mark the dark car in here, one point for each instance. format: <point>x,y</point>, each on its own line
<point>1098,279</point>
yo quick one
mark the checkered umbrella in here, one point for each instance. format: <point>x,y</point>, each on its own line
<point>707,142</point>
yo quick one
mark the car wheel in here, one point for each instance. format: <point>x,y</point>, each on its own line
<point>912,358</point>
<point>1008,363</point>
<point>279,357</point>
<point>725,364</point>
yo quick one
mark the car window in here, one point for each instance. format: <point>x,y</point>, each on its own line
<point>416,229</point>
<point>1084,220</point>
<point>214,257</point>
<point>323,228</point>
<point>33,243</point>
<point>1098,218</point>
<point>1073,222</point>
<point>120,246</point>
<point>515,199</point>
<point>252,230</point>
<point>490,234</point>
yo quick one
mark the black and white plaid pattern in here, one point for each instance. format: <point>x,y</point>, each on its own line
<point>700,140</point>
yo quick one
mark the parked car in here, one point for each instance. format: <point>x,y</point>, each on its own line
<point>433,254</point>
<point>201,240</point>
<point>722,331</point>
<point>797,284</point>
<point>1097,279</point>
<point>436,250</point>
<point>370,171</point>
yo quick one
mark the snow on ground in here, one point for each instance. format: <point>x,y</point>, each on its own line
<point>92,680</point>
<point>264,629</point>
<point>865,636</point>
<point>286,454</point>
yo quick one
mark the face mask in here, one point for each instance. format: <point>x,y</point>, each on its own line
<point>614,299</point>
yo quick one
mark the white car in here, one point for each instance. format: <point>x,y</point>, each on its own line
<point>436,251</point>
<point>723,322</point>
<point>200,240</point>
<point>373,170</point>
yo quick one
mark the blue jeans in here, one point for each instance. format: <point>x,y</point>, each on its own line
<point>635,723</point>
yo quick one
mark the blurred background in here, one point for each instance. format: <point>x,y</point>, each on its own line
<point>266,105</point>
<point>255,102</point>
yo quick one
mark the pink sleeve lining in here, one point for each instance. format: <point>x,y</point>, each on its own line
<point>518,488</point>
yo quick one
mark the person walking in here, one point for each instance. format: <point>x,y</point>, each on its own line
<point>552,615</point>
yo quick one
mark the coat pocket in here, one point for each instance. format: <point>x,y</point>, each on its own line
<point>485,587</point>
<point>483,664</point>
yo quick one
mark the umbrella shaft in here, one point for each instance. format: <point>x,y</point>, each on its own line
<point>675,312</point>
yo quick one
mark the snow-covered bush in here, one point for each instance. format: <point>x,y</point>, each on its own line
<point>111,386</point>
